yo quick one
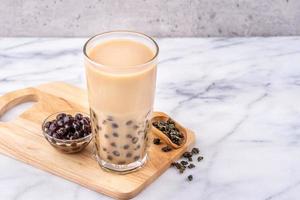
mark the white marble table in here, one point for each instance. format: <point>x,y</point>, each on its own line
<point>241,96</point>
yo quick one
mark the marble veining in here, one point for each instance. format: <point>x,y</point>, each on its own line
<point>240,95</point>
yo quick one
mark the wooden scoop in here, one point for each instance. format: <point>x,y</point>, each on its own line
<point>160,116</point>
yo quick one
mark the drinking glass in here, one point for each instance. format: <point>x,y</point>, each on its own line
<point>121,100</point>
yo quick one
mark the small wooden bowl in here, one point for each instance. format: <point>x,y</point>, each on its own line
<point>160,116</point>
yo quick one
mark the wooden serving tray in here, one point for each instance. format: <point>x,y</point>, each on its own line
<point>23,140</point>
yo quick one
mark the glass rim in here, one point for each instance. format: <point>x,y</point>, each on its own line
<point>123,67</point>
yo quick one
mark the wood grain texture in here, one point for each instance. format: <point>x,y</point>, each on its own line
<point>23,140</point>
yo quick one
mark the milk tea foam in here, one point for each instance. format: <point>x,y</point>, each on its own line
<point>121,93</point>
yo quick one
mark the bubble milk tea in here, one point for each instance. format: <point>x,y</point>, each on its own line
<point>121,76</point>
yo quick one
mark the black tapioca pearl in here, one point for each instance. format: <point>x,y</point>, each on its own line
<point>114,125</point>
<point>106,136</point>
<point>99,128</point>
<point>122,162</point>
<point>104,149</point>
<point>109,118</point>
<point>109,157</point>
<point>126,146</point>
<point>183,162</point>
<point>116,153</point>
<point>115,134</point>
<point>60,116</point>
<point>136,158</point>
<point>135,127</point>
<point>128,155</point>
<point>129,136</point>
<point>137,147</point>
<point>134,140</point>
<point>128,123</point>
<point>113,144</point>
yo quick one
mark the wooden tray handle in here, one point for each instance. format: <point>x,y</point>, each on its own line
<point>14,98</point>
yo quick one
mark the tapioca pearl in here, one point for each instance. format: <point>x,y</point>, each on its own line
<point>137,147</point>
<point>128,123</point>
<point>104,149</point>
<point>109,118</point>
<point>122,162</point>
<point>109,157</point>
<point>99,128</point>
<point>128,155</point>
<point>126,146</point>
<point>135,127</point>
<point>134,140</point>
<point>114,125</point>
<point>116,153</point>
<point>115,134</point>
<point>113,144</point>
<point>129,136</point>
<point>136,158</point>
<point>106,136</point>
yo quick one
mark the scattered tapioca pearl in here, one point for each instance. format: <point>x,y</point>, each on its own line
<point>190,166</point>
<point>195,151</point>
<point>128,123</point>
<point>126,146</point>
<point>115,134</point>
<point>136,157</point>
<point>106,136</point>
<point>128,155</point>
<point>114,125</point>
<point>116,153</point>
<point>183,162</point>
<point>104,149</point>
<point>137,147</point>
<point>200,158</point>
<point>190,178</point>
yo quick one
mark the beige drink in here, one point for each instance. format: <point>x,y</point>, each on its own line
<point>121,75</point>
